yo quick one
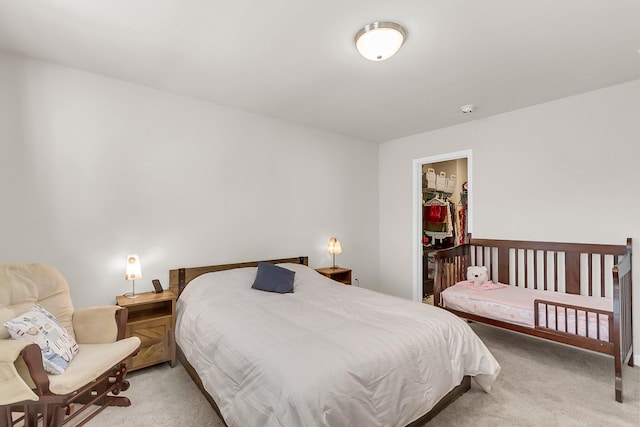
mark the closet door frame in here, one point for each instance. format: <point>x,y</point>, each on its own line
<point>417,209</point>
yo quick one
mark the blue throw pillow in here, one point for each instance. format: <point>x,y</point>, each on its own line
<point>272,278</point>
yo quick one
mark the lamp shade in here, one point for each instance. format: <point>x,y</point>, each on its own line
<point>134,270</point>
<point>380,40</point>
<point>334,246</point>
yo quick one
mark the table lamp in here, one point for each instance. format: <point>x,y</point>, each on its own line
<point>134,271</point>
<point>334,248</point>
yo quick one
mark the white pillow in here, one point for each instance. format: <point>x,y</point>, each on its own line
<point>41,327</point>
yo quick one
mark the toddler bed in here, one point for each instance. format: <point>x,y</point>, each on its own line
<point>576,294</point>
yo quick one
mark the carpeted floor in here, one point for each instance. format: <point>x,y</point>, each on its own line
<point>541,384</point>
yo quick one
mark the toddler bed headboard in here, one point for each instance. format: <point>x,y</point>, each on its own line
<point>574,268</point>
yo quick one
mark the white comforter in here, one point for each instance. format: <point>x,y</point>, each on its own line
<point>325,355</point>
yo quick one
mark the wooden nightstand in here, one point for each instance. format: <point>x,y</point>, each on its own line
<point>152,318</point>
<point>339,274</point>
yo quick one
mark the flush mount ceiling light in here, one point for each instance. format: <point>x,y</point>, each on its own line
<point>380,40</point>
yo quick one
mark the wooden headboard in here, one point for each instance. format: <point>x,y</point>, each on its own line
<point>180,277</point>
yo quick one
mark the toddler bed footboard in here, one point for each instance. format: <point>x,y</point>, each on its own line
<point>600,272</point>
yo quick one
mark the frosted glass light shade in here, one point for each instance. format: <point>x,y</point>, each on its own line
<point>380,40</point>
<point>334,246</point>
<point>134,269</point>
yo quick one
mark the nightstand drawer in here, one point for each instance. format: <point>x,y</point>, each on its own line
<point>155,337</point>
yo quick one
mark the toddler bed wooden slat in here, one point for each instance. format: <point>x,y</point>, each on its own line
<point>572,267</point>
<point>590,273</point>
<point>555,271</point>
<point>602,290</point>
<point>546,269</point>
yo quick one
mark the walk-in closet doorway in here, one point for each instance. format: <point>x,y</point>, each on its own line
<point>443,169</point>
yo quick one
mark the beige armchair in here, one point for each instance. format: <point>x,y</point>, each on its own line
<point>95,375</point>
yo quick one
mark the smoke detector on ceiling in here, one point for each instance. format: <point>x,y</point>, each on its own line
<point>467,109</point>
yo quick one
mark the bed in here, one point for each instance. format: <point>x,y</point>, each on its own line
<point>573,293</point>
<point>325,355</point>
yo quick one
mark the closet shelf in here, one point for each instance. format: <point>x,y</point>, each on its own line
<point>433,193</point>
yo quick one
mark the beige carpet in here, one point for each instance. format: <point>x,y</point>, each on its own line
<point>541,384</point>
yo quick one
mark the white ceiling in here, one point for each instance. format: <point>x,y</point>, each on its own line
<point>296,60</point>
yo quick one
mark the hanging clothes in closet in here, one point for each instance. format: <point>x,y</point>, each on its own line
<point>439,218</point>
<point>462,221</point>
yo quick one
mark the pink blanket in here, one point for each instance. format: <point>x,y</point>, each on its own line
<point>486,286</point>
<point>516,305</point>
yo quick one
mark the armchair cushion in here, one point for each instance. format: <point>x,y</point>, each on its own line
<point>13,388</point>
<point>91,361</point>
<point>40,327</point>
<point>24,285</point>
<point>96,325</point>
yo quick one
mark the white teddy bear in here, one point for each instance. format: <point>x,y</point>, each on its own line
<point>477,275</point>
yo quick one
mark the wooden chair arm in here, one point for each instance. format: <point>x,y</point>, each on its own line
<point>32,357</point>
<point>121,319</point>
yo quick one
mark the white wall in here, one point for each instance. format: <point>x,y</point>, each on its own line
<point>92,169</point>
<point>567,170</point>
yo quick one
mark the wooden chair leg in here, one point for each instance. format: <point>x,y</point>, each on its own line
<point>5,416</point>
<point>120,401</point>
<point>31,416</point>
<point>57,417</point>
<point>123,387</point>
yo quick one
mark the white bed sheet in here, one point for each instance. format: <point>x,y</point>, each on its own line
<point>325,355</point>
<point>516,305</point>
